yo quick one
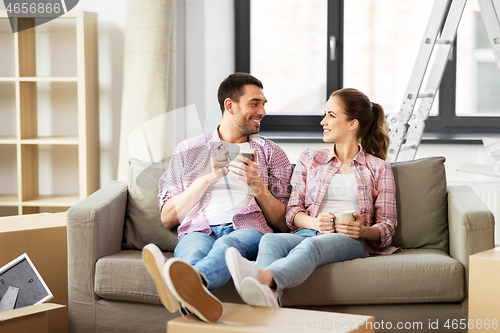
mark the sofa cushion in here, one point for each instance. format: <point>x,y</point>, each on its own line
<point>142,222</point>
<point>413,276</point>
<point>123,277</point>
<point>422,204</point>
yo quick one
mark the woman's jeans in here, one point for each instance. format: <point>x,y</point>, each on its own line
<point>206,253</point>
<point>291,258</point>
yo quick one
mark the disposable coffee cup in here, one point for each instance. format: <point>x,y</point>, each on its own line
<point>344,216</point>
<point>232,156</point>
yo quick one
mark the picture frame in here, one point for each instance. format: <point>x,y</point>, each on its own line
<point>22,273</point>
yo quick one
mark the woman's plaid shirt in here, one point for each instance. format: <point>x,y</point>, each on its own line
<point>376,190</point>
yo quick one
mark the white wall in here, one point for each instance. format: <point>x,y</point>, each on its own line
<point>111,25</point>
<point>209,55</point>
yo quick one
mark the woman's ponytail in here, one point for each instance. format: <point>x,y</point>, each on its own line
<point>376,139</point>
<point>373,133</point>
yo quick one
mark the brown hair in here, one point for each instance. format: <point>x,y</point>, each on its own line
<point>233,87</point>
<point>372,132</point>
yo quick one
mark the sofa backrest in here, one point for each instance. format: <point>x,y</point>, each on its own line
<point>422,204</point>
<point>142,220</point>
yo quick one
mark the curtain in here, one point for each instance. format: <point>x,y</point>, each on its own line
<point>149,72</point>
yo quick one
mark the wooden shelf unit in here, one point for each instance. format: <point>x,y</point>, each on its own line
<point>69,119</point>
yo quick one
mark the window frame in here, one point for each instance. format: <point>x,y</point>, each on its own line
<point>446,127</point>
<point>292,127</point>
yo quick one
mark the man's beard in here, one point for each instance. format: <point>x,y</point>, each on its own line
<point>247,127</point>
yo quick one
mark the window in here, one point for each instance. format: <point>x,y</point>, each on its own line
<point>476,68</point>
<point>294,47</point>
<point>472,97</point>
<point>374,49</point>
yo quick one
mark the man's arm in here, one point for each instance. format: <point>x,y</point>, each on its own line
<point>175,209</point>
<point>273,209</point>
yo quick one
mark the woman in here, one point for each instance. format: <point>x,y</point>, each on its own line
<point>352,175</point>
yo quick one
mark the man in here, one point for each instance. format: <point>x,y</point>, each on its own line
<point>218,204</point>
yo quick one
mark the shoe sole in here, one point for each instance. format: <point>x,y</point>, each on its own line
<point>166,297</point>
<point>233,267</point>
<point>252,293</point>
<point>186,284</point>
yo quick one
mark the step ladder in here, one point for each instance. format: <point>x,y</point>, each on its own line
<point>407,126</point>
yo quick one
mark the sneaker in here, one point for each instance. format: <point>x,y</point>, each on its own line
<point>186,285</point>
<point>257,294</point>
<point>154,260</point>
<point>183,311</point>
<point>239,267</point>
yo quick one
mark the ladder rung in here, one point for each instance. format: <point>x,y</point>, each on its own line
<point>407,147</point>
<point>444,41</point>
<point>426,95</point>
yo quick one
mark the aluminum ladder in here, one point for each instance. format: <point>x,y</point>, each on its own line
<point>407,126</point>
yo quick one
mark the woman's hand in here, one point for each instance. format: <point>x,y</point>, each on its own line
<point>356,229</point>
<point>350,228</point>
<point>324,223</point>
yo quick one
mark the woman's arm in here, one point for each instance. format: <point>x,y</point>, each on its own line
<point>323,223</point>
<point>296,203</point>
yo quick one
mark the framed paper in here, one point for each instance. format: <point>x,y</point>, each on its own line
<point>21,273</point>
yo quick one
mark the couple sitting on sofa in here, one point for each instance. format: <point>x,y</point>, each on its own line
<point>226,208</point>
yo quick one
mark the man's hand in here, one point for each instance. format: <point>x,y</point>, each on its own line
<point>246,170</point>
<point>352,229</point>
<point>219,167</point>
<point>323,223</point>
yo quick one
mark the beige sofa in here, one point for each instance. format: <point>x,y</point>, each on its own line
<point>439,228</point>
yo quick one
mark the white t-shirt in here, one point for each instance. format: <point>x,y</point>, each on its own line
<point>342,195</point>
<point>229,194</point>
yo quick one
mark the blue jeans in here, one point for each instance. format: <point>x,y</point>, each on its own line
<point>291,258</point>
<point>206,253</point>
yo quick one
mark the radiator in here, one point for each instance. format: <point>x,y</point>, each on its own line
<point>489,193</point>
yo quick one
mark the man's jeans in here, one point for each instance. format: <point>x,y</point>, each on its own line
<point>206,253</point>
<point>291,258</point>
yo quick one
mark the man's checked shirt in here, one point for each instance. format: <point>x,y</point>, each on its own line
<point>190,159</point>
<point>376,191</point>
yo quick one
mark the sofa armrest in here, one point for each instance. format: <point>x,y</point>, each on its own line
<point>95,230</point>
<point>471,225</point>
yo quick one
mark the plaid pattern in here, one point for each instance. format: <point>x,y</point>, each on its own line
<point>376,190</point>
<point>190,159</point>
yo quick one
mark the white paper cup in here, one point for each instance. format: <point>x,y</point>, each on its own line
<point>344,216</point>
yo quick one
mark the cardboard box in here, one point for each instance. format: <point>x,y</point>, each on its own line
<point>250,319</point>
<point>30,319</point>
<point>44,238</point>
<point>484,291</point>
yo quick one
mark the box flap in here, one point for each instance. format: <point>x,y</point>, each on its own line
<point>480,169</point>
<point>32,221</point>
<point>254,319</point>
<point>28,310</point>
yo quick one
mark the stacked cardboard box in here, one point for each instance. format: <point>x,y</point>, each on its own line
<point>43,237</point>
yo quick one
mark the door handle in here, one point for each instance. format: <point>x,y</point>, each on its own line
<point>333,47</point>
